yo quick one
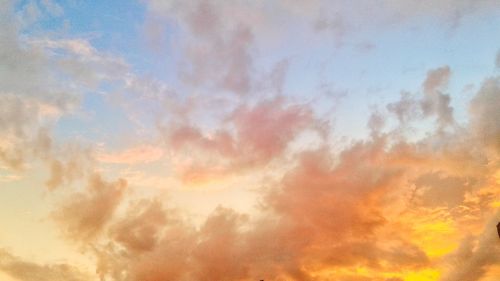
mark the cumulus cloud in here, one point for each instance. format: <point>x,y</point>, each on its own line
<point>138,230</point>
<point>405,109</point>
<point>437,79</point>
<point>435,102</point>
<point>84,215</point>
<point>484,111</point>
<point>374,204</point>
<point>300,230</point>
<point>366,211</point>
<point>471,259</point>
<point>260,134</point>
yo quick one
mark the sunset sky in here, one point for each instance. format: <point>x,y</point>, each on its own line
<point>241,140</point>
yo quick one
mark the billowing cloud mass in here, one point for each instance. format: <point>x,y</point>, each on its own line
<point>262,133</point>
<point>85,214</point>
<point>475,254</point>
<point>249,140</point>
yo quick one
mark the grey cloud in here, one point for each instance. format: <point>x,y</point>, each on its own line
<point>497,60</point>
<point>435,102</point>
<point>471,259</point>
<point>485,113</point>
<point>405,109</point>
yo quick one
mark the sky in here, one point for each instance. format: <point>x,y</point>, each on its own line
<point>278,140</point>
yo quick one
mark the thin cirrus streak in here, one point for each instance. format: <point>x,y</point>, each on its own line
<point>265,140</point>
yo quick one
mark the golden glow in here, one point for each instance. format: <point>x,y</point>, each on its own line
<point>422,275</point>
<point>6,277</point>
<point>427,274</point>
<point>436,238</point>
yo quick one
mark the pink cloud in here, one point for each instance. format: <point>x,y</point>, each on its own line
<point>261,134</point>
<point>134,155</point>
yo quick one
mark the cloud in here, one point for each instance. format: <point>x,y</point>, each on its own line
<point>381,208</point>
<point>135,155</point>
<point>84,215</point>
<point>435,102</point>
<point>382,205</point>
<point>437,79</point>
<point>138,230</point>
<point>261,133</point>
<point>405,108</point>
<point>216,55</point>
<point>441,190</point>
<point>448,11</point>
<point>68,162</point>
<point>497,60</point>
<point>269,126</point>
<point>471,259</point>
<point>220,252</point>
<point>26,69</point>
<point>25,127</point>
<point>28,271</point>
<point>43,80</point>
<point>207,22</point>
<point>321,216</point>
<point>223,63</point>
<point>484,113</point>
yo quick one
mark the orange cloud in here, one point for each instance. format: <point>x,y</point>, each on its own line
<point>84,215</point>
<point>23,270</point>
<point>383,208</point>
